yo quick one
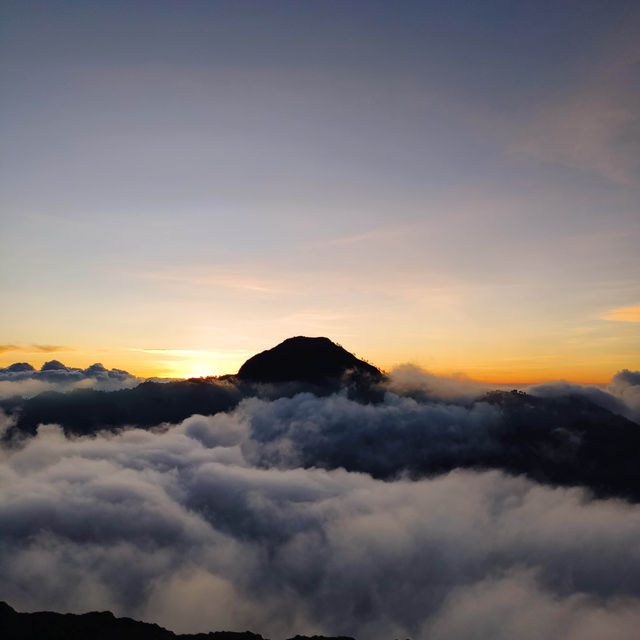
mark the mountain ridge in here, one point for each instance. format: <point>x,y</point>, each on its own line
<point>305,359</point>
<point>103,625</point>
<point>565,440</point>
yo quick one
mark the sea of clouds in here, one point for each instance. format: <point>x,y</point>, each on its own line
<point>621,395</point>
<point>213,524</point>
<point>23,380</point>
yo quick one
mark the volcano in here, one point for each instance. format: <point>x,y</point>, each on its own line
<point>304,359</point>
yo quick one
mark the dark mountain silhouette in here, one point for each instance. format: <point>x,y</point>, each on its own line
<point>84,411</point>
<point>322,368</point>
<point>321,638</point>
<point>103,625</point>
<point>305,359</point>
<point>565,440</point>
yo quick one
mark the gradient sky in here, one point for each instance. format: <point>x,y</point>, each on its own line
<point>452,184</point>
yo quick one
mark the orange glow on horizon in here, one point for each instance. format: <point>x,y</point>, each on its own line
<point>165,363</point>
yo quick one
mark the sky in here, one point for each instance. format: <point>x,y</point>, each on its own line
<point>451,184</point>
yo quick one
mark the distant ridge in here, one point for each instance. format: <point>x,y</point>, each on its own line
<point>103,625</point>
<point>304,359</point>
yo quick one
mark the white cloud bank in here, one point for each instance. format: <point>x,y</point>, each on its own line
<point>180,528</point>
<point>21,379</point>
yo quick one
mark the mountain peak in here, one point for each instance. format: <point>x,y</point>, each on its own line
<point>305,359</point>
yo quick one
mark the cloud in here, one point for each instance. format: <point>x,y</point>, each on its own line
<point>5,422</point>
<point>621,396</point>
<point>593,123</point>
<point>591,130</point>
<point>596,394</point>
<point>413,425</point>
<point>380,235</point>
<point>8,347</point>
<point>515,606</point>
<point>410,379</point>
<point>179,527</point>
<point>171,351</point>
<point>625,385</point>
<point>34,348</point>
<point>241,280</point>
<point>623,314</point>
<point>21,379</point>
<point>49,348</point>
<point>28,387</point>
<point>400,434</point>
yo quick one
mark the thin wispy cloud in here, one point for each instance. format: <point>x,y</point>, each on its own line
<point>175,351</point>
<point>594,124</point>
<point>229,353</point>
<point>34,348</point>
<point>8,347</point>
<point>374,236</point>
<point>222,278</point>
<point>587,132</point>
<point>48,348</point>
<point>623,314</point>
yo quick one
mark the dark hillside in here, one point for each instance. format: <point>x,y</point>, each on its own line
<point>103,625</point>
<point>305,360</point>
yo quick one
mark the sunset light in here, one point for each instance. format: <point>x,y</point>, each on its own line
<point>320,319</point>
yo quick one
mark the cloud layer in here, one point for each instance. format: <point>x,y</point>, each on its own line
<point>21,379</point>
<point>186,526</point>
<point>621,396</point>
<point>411,425</point>
<point>378,513</point>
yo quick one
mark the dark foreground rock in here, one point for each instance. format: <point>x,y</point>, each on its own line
<point>321,638</point>
<point>103,625</point>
